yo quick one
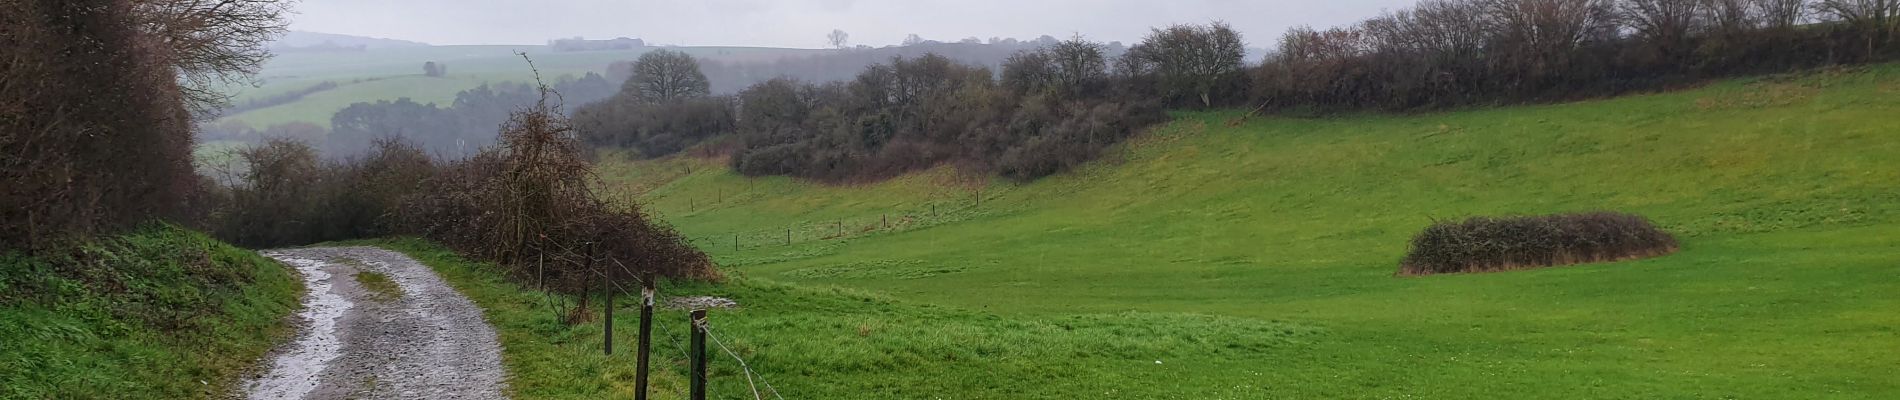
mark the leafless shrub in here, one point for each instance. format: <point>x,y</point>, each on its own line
<point>1484,244</point>
<point>78,83</point>
<point>531,205</point>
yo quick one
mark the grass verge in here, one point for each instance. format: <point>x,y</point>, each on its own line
<point>157,313</point>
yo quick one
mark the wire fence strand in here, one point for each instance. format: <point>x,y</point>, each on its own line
<point>743,365</point>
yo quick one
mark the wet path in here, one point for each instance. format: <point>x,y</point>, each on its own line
<point>423,341</point>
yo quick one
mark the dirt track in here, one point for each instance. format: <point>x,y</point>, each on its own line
<point>428,342</point>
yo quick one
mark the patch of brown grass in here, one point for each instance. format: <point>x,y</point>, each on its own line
<point>1761,95</point>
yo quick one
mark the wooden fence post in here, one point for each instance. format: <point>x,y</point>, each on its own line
<point>609,342</point>
<point>699,355</point>
<point>607,285</point>
<point>646,338</point>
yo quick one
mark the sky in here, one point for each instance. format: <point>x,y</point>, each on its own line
<point>804,23</point>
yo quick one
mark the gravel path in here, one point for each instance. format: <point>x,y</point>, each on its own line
<point>428,342</point>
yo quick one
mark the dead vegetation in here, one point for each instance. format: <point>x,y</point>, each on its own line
<point>78,82</point>
<point>1489,244</point>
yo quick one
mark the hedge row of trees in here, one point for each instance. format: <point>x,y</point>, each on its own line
<point>1445,53</point>
<point>1052,108</point>
<point>1058,105</point>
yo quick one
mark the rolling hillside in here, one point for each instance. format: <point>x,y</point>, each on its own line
<point>389,73</point>
<point>1255,259</point>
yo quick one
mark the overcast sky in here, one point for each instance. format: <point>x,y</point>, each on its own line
<point>804,23</point>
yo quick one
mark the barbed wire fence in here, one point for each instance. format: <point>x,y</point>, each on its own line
<point>931,213</point>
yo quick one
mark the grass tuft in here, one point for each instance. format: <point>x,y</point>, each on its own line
<point>378,284</point>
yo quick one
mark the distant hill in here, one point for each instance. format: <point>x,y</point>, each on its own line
<point>306,41</point>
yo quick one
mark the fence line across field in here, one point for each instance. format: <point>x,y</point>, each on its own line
<point>831,229</point>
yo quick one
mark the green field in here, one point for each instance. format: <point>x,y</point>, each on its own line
<point>1216,258</point>
<point>393,73</point>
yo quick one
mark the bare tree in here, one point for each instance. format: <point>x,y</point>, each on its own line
<point>1663,25</point>
<point>213,42</point>
<point>1876,20</point>
<point>839,39</point>
<point>1780,14</point>
<point>1079,64</point>
<point>1027,71</point>
<point>1729,17</point>
<point>1869,13</point>
<point>913,40</point>
<point>1193,61</point>
<point>1661,22</point>
<point>665,76</point>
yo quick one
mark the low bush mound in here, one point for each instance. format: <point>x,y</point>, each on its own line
<point>1487,244</point>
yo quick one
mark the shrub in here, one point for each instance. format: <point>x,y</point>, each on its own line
<point>530,204</point>
<point>1486,244</point>
<point>281,193</point>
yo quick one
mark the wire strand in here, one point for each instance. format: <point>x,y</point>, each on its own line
<point>742,364</point>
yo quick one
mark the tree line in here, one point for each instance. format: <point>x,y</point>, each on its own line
<point>1045,109</point>
<point>1446,53</point>
<point>459,129</point>
<point>1049,109</point>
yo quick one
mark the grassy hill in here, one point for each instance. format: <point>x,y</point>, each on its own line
<point>392,73</point>
<point>1221,258</point>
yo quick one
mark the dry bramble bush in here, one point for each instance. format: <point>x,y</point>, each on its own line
<point>1487,244</point>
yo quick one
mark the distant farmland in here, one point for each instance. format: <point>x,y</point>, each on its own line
<point>397,73</point>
